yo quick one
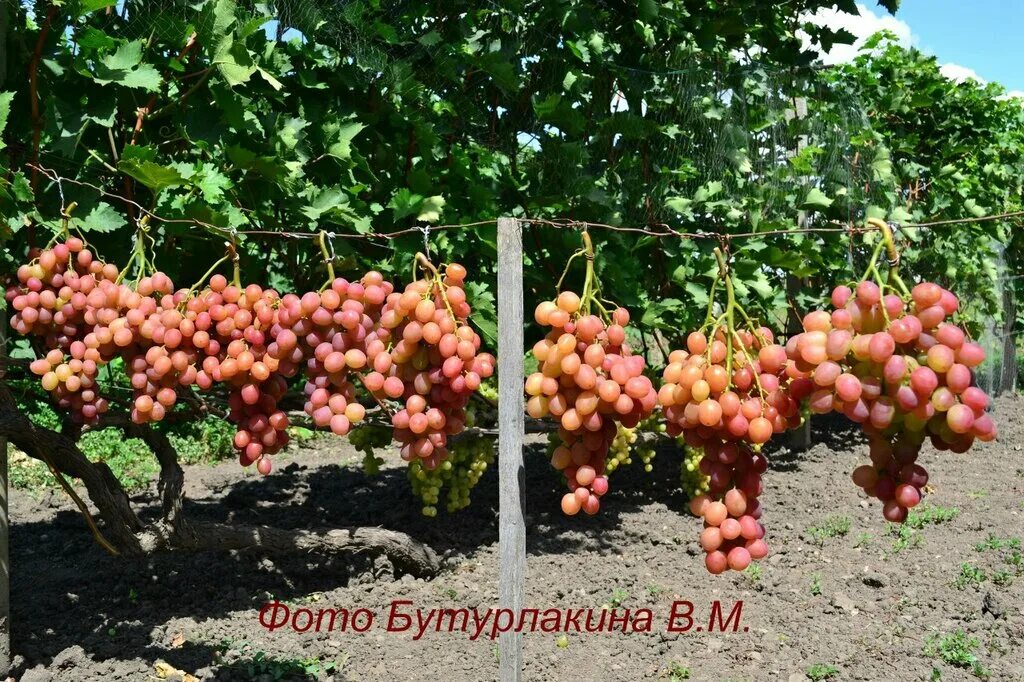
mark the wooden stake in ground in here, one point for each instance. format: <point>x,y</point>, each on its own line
<point>799,438</point>
<point>511,475</point>
<point>5,566</point>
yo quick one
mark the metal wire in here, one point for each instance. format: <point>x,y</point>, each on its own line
<point>660,230</point>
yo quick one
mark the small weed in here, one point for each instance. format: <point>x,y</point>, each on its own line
<point>926,514</point>
<point>995,543</point>
<point>905,537</point>
<point>263,664</point>
<point>1009,550</point>
<point>822,671</point>
<point>753,573</point>
<point>834,526</point>
<point>306,599</point>
<point>654,591</point>
<point>816,584</point>
<point>956,649</point>
<point>1002,578</point>
<point>615,601</point>
<point>907,534</point>
<point>863,540</point>
<point>678,672</point>
<point>977,494</point>
<point>562,641</point>
<point>969,575</point>
<point>450,593</point>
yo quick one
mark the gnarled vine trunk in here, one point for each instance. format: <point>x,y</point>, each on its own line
<point>128,535</point>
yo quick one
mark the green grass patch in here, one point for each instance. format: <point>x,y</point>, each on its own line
<point>619,596</point>
<point>958,650</point>
<point>1002,578</point>
<point>816,584</point>
<point>129,459</point>
<point>908,533</point>
<point>259,664</point>
<point>833,527</point>
<point>822,671</point>
<point>197,441</point>
<point>969,575</point>
<point>995,543</point>
<point>677,672</point>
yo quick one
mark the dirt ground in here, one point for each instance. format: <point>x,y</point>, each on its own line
<point>856,603</point>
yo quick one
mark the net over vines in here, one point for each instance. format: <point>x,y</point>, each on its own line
<point>672,136</point>
<point>604,123</point>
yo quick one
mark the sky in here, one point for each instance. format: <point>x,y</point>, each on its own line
<point>978,39</point>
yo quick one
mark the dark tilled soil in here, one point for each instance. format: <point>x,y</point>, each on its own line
<point>855,601</point>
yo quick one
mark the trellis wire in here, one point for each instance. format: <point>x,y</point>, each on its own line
<point>662,230</point>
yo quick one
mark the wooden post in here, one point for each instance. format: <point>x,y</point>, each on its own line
<point>5,566</point>
<point>511,475</point>
<point>1007,379</point>
<point>4,25</point>
<point>800,438</point>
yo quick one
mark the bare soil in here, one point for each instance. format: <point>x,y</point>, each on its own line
<point>863,601</point>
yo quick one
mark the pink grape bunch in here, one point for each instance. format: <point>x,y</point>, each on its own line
<point>903,370</point>
<point>729,407</point>
<point>327,333</point>
<point>160,358</point>
<point>588,380</point>
<point>894,476</point>
<point>231,332</point>
<point>169,340</point>
<point>72,302</point>
<point>733,535</point>
<point>425,355</point>
<point>417,346</point>
<point>706,403</point>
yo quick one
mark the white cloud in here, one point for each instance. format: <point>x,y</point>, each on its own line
<point>866,24</point>
<point>862,25</point>
<point>958,73</point>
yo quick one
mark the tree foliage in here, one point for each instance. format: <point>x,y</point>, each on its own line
<point>369,116</point>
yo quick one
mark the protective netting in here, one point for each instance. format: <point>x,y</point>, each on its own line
<point>671,133</point>
<point>1000,337</point>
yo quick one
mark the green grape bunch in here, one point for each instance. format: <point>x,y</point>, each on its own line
<point>693,481</point>
<point>621,448</point>
<point>365,439</point>
<point>468,459</point>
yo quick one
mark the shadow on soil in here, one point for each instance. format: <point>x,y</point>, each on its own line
<point>110,606</point>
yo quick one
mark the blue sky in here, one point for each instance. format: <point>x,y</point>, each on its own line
<point>979,39</point>
<point>981,35</point>
<point>971,38</point>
